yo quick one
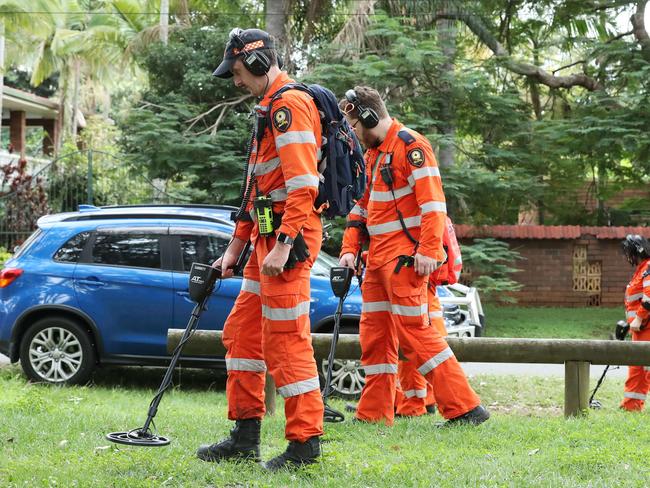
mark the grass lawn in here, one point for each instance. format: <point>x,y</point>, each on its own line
<point>561,323</point>
<point>55,437</point>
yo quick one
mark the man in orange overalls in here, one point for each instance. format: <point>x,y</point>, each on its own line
<point>268,326</point>
<point>403,211</point>
<point>637,311</point>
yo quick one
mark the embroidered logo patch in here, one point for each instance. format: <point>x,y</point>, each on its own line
<point>282,119</point>
<point>416,157</point>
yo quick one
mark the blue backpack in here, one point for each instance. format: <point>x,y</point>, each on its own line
<point>342,166</point>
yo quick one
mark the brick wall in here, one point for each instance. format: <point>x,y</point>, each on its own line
<point>547,271</point>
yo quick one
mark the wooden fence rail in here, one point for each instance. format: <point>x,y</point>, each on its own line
<point>576,355</point>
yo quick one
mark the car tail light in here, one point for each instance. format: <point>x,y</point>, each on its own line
<point>8,275</point>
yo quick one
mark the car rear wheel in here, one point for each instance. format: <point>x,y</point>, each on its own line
<point>57,350</point>
<point>348,377</point>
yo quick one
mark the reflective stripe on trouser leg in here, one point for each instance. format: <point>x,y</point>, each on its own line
<point>378,352</point>
<point>242,336</point>
<point>288,351</point>
<point>636,388</point>
<point>411,397</point>
<point>425,346</point>
<point>637,383</point>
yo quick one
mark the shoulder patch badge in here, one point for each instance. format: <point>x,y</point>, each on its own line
<point>282,119</point>
<point>416,157</point>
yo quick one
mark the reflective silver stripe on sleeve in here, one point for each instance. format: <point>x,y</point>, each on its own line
<point>386,196</point>
<point>646,283</point>
<point>435,361</point>
<point>285,313</point>
<point>435,315</point>
<point>299,387</point>
<point>357,210</point>
<point>295,137</point>
<point>420,173</point>
<point>631,314</point>
<point>264,167</point>
<point>279,195</point>
<point>240,364</point>
<point>380,369</point>
<point>645,299</point>
<point>634,395</point>
<point>433,207</point>
<point>302,181</point>
<point>647,368</point>
<point>393,226</point>
<point>415,393</point>
<point>375,307</point>
<point>631,298</point>
<point>251,286</point>
<point>408,310</point>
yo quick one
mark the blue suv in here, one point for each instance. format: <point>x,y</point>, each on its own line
<point>103,286</point>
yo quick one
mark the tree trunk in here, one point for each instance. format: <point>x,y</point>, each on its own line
<point>276,25</point>
<point>76,66</point>
<point>164,21</point>
<point>2,71</point>
<point>446,32</point>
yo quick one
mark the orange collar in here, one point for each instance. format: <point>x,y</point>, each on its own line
<point>389,141</point>
<point>279,82</point>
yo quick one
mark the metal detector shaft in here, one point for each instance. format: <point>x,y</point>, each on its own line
<point>191,326</point>
<point>335,339</point>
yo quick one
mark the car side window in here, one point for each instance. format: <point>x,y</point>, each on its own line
<point>70,252</point>
<point>137,250</point>
<point>201,249</point>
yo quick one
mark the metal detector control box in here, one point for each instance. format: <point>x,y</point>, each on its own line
<point>202,279</point>
<point>340,279</point>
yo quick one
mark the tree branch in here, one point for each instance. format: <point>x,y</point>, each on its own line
<point>639,30</point>
<point>526,69</point>
<point>223,106</point>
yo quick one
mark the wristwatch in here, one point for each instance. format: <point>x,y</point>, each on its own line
<point>284,239</point>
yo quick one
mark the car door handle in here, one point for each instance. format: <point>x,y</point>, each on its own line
<point>91,282</point>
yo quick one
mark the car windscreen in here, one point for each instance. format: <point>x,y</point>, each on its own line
<point>323,264</point>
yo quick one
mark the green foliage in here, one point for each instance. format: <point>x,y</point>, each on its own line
<point>488,265</point>
<point>158,132</point>
<point>4,255</point>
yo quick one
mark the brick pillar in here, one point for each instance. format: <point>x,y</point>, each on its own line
<point>17,130</point>
<point>49,140</point>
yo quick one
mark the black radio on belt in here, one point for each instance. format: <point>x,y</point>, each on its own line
<point>264,213</point>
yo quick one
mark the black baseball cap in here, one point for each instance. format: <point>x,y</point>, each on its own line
<point>240,41</point>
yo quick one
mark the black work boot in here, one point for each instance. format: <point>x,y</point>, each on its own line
<point>244,443</point>
<point>297,454</point>
<point>475,416</point>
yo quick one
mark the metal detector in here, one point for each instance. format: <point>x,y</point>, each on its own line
<point>202,280</point>
<point>340,280</point>
<point>621,331</point>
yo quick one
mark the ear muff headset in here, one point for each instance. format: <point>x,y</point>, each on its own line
<point>254,61</point>
<point>367,116</point>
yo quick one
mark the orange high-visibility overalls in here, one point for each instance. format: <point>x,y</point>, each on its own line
<point>414,393</point>
<point>638,377</point>
<point>394,310</point>
<point>269,323</point>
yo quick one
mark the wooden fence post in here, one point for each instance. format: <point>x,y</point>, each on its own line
<point>576,388</point>
<point>269,394</point>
